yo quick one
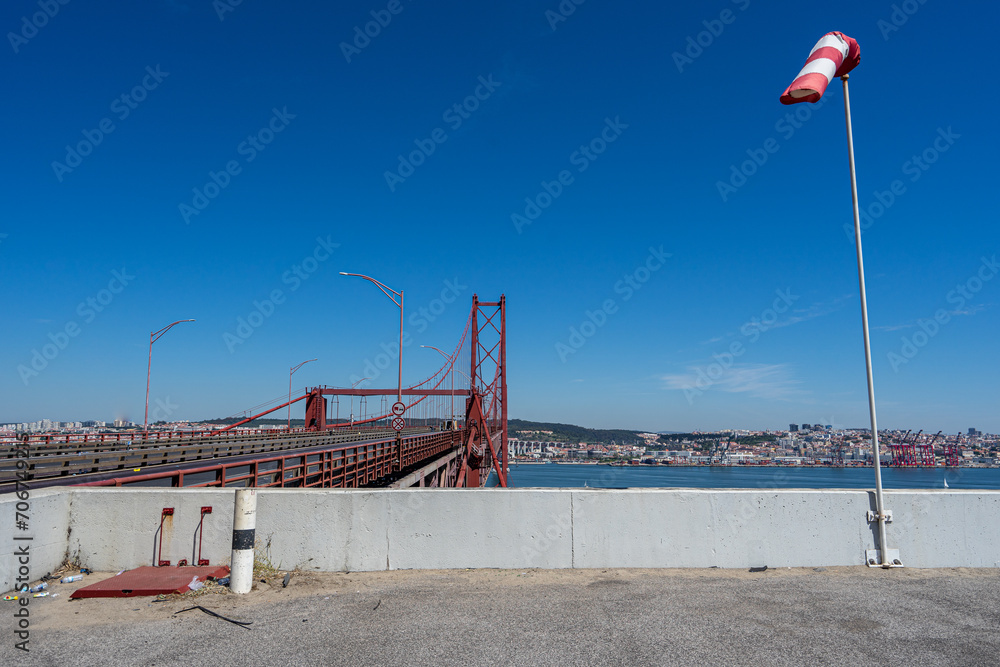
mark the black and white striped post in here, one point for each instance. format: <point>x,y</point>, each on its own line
<point>244,534</point>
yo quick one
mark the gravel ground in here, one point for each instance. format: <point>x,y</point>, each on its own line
<point>547,617</point>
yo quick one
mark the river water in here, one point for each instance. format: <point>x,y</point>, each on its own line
<point>746,477</point>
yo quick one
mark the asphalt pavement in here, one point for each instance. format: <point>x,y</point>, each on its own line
<point>827,616</point>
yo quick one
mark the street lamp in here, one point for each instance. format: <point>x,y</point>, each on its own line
<point>352,397</point>
<point>153,337</point>
<point>392,294</point>
<point>291,371</point>
<point>453,369</point>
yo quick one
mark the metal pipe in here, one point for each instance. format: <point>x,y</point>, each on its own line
<point>879,501</point>
<point>160,562</point>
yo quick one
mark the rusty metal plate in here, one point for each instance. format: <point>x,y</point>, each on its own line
<point>149,580</point>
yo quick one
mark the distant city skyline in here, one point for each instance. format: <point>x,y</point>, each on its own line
<point>54,424</point>
<point>673,243</point>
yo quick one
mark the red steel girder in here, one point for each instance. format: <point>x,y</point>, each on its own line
<point>489,360</point>
<point>336,391</point>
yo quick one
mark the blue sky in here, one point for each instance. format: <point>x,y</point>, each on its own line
<point>257,138</point>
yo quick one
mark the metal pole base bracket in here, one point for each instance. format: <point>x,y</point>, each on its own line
<point>874,559</point>
<point>872,556</point>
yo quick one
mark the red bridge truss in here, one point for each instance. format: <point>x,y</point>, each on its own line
<point>433,446</point>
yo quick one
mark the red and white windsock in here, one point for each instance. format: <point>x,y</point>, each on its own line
<point>835,54</point>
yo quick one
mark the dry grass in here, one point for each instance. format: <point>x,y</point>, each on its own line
<point>264,571</point>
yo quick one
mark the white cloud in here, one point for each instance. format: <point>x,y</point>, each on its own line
<point>770,381</point>
<point>796,316</point>
<point>816,310</point>
<point>969,310</point>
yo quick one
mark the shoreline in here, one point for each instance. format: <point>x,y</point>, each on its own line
<point>742,465</point>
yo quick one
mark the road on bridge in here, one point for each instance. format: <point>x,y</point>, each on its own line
<point>329,459</point>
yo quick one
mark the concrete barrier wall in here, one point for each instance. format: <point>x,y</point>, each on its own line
<point>359,530</point>
<point>117,529</point>
<point>329,530</point>
<point>945,528</point>
<point>48,528</point>
<point>724,528</point>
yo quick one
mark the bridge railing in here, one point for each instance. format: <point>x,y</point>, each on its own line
<point>67,460</point>
<point>340,466</point>
<point>52,445</point>
<point>139,439</point>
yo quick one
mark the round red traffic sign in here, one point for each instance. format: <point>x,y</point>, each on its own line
<point>398,408</point>
<point>398,423</point>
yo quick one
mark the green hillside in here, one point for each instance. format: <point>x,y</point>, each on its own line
<point>566,432</point>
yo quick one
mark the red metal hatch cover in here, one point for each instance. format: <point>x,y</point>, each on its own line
<point>149,580</point>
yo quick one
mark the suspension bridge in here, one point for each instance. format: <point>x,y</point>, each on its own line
<point>418,440</point>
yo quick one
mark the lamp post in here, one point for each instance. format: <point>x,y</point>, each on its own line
<point>153,337</point>
<point>352,397</point>
<point>291,371</point>
<point>453,369</point>
<point>392,294</point>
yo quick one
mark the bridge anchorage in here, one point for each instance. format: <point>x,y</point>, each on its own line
<point>433,447</point>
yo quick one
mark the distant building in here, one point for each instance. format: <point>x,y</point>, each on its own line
<point>793,428</point>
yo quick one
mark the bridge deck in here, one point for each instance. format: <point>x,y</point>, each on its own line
<point>298,459</point>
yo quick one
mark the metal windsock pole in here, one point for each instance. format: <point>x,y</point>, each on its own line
<point>835,55</point>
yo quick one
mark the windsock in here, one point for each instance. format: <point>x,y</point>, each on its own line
<point>835,54</point>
